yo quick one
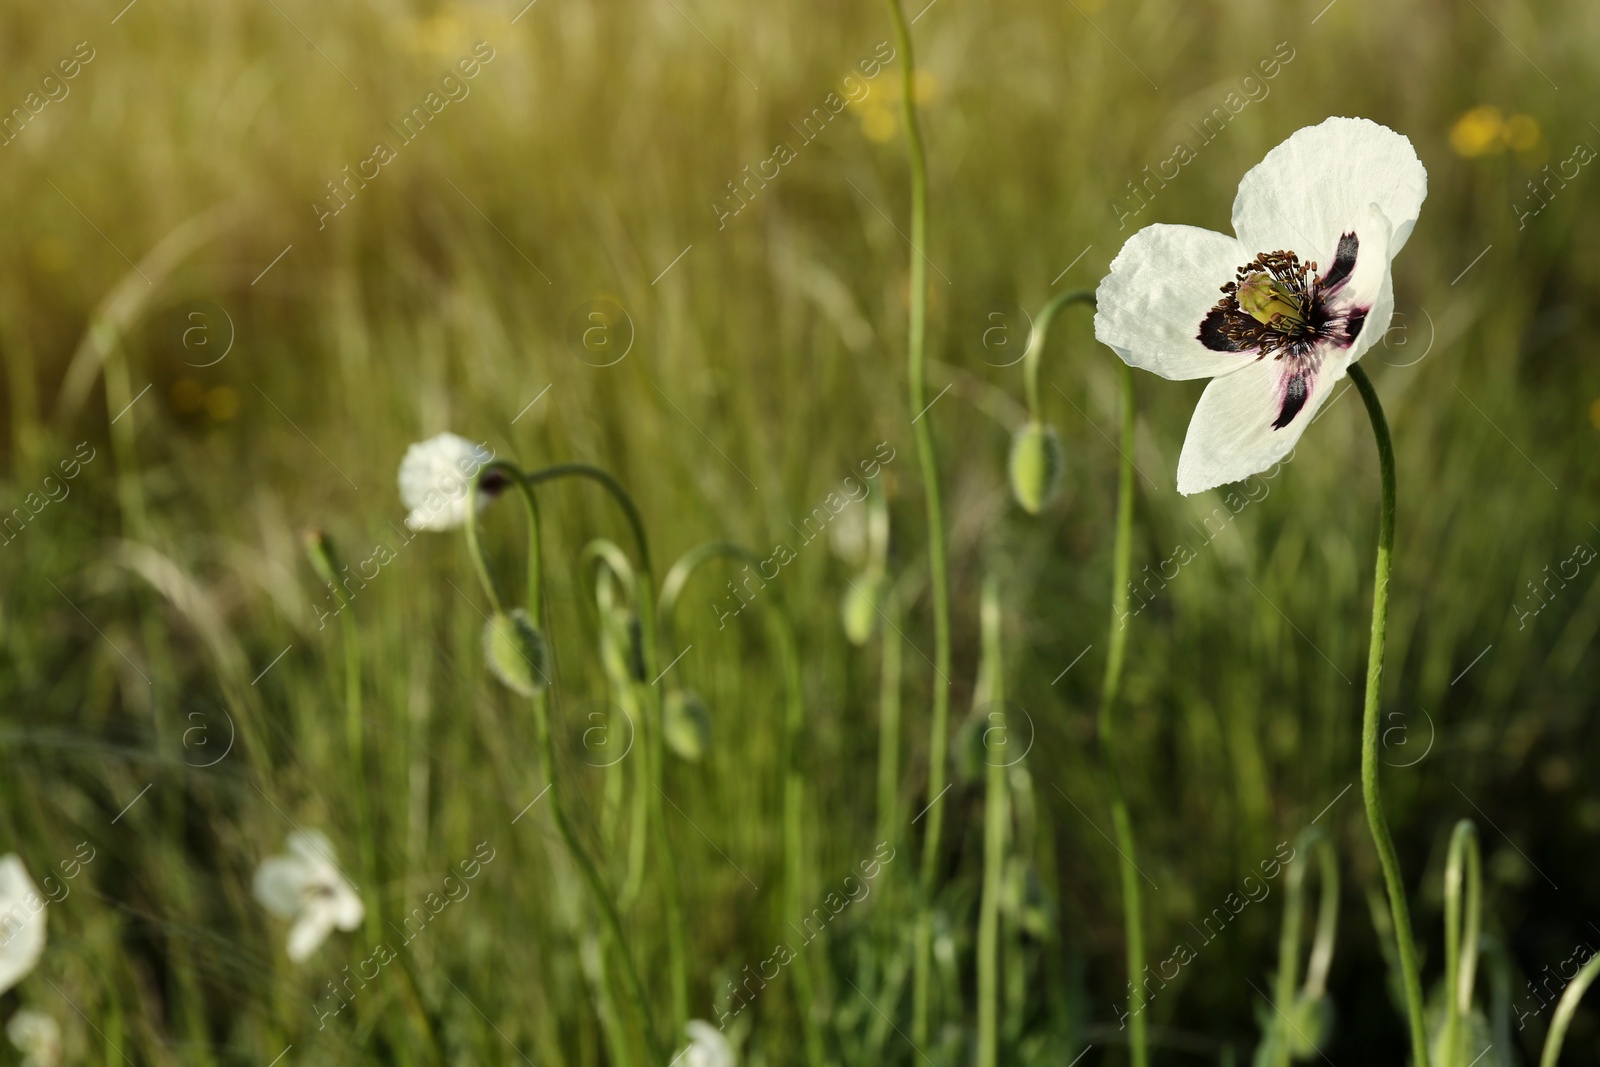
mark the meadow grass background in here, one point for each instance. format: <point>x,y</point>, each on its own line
<point>766,364</point>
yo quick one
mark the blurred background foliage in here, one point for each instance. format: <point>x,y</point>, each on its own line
<point>766,363</point>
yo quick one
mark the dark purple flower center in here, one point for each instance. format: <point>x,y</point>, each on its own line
<point>1280,307</point>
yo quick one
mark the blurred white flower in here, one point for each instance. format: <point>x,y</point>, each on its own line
<point>707,1047</point>
<point>1305,291</point>
<point>307,886</point>
<point>436,481</point>
<point>36,1036</point>
<point>22,921</point>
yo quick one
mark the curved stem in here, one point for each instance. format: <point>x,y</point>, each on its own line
<point>656,750</point>
<point>1463,863</point>
<point>922,429</point>
<point>1036,339</point>
<point>1284,996</point>
<point>547,752</point>
<point>1564,1011</point>
<point>794,779</point>
<point>1122,821</point>
<point>1404,942</point>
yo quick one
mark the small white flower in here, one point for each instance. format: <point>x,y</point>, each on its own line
<point>307,886</point>
<point>1305,291</point>
<point>22,922</point>
<point>436,481</point>
<point>707,1047</point>
<point>36,1036</point>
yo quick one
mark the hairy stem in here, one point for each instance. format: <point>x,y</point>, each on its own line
<point>1033,357</point>
<point>1405,943</point>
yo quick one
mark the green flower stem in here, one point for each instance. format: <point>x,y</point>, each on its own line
<point>889,719</point>
<point>356,741</point>
<point>1404,941</point>
<point>1116,650</point>
<point>922,429</point>
<point>1463,864</point>
<point>794,776</point>
<point>1284,998</point>
<point>1565,1009</point>
<point>656,750</point>
<point>541,714</point>
<point>1036,339</point>
<point>996,819</point>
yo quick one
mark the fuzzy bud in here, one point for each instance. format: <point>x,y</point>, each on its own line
<point>516,651</point>
<point>1036,465</point>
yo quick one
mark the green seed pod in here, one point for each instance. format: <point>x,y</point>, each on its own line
<point>688,724</point>
<point>859,608</point>
<point>1037,461</point>
<point>516,651</point>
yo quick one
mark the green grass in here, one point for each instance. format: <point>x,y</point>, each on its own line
<point>766,364</point>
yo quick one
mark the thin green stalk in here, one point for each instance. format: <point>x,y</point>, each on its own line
<point>1116,650</point>
<point>569,837</point>
<point>656,750</point>
<point>1404,941</point>
<point>794,776</point>
<point>1284,996</point>
<point>996,819</point>
<point>889,720</point>
<point>922,431</point>
<point>1564,1011</point>
<point>1463,864</point>
<point>1036,339</point>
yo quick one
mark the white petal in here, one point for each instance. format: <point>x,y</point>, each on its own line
<point>344,906</point>
<point>707,1046</point>
<point>1231,435</point>
<point>1162,283</point>
<point>436,480</point>
<point>37,1036</point>
<point>1371,284</point>
<point>308,932</point>
<point>1318,183</point>
<point>22,922</point>
<point>279,883</point>
<point>313,849</point>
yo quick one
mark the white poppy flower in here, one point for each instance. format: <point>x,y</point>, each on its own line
<point>1305,291</point>
<point>307,886</point>
<point>22,922</point>
<point>436,481</point>
<point>707,1047</point>
<point>37,1036</point>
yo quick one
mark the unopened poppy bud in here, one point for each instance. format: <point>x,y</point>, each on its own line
<point>687,724</point>
<point>516,651</point>
<point>1036,465</point>
<point>859,608</point>
<point>320,551</point>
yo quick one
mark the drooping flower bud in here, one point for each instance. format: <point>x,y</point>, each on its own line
<point>859,608</point>
<point>516,651</point>
<point>687,724</point>
<point>1036,464</point>
<point>320,551</point>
